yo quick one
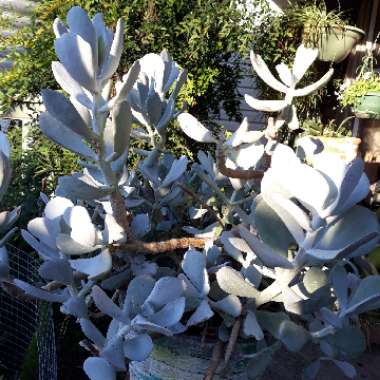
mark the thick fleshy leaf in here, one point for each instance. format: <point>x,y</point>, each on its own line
<point>116,50</point>
<point>263,72</point>
<point>339,281</point>
<point>194,129</point>
<point>303,60</point>
<point>230,305</point>
<point>272,229</point>
<point>79,23</point>
<point>141,225</point>
<point>92,332</point>
<point>4,263</point>
<point>293,336</point>
<point>138,291</point>
<point>260,361</point>
<point>202,313</point>
<point>251,326</point>
<point>177,169</point>
<point>59,28</point>
<point>138,348</point>
<point>365,297</point>
<point>129,79</point>
<point>347,368</point>
<point>82,229</point>
<point>315,86</point>
<point>142,324</point>
<point>77,57</point>
<point>348,342</point>
<point>113,351</point>
<point>57,270</point>
<point>45,231</point>
<point>41,294</point>
<point>286,75</point>
<point>170,314</point>
<point>265,105</point>
<point>98,369</point>
<point>269,256</point>
<point>105,304</point>
<point>314,279</point>
<point>122,121</point>
<point>346,232</point>
<point>9,218</point>
<point>69,246</point>
<point>165,290</point>
<point>95,267</point>
<point>232,282</point>
<point>230,249</point>
<point>45,252</point>
<point>75,306</point>
<point>61,109</point>
<point>80,186</point>
<point>68,84</point>
<point>194,266</point>
<point>64,136</point>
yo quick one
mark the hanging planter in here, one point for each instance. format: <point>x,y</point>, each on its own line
<point>368,106</point>
<point>326,31</point>
<point>335,43</point>
<point>363,94</point>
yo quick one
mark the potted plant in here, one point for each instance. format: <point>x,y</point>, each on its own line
<point>363,94</point>
<point>228,259</point>
<point>327,31</point>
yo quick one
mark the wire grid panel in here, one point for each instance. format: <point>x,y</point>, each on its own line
<point>19,322</point>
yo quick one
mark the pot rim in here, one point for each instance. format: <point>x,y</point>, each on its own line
<point>348,28</point>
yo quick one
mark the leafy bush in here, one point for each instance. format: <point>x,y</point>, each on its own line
<point>272,255</point>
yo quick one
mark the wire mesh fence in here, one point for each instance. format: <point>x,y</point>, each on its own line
<point>20,322</point>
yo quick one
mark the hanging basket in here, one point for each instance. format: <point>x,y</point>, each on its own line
<point>368,106</point>
<point>336,43</point>
<point>186,358</point>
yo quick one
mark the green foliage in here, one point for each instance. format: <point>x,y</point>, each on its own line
<point>360,87</point>
<point>35,170</point>
<point>201,35</point>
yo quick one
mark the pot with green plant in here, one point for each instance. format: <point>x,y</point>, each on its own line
<point>327,31</point>
<point>363,94</point>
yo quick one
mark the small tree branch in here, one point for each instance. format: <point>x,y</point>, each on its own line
<point>232,343</point>
<point>164,246</point>
<point>215,359</point>
<point>121,214</point>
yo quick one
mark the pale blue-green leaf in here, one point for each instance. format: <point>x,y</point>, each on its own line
<point>68,84</point>
<point>314,279</point>
<point>176,171</point>
<point>138,348</point>
<point>113,351</point>
<point>141,225</point>
<point>347,368</point>
<point>92,332</point>
<point>253,275</point>
<point>123,88</point>
<point>9,218</point>
<point>286,75</point>
<point>75,306</point>
<point>115,52</point>
<point>80,186</point>
<point>194,266</point>
<point>44,231</point>
<point>113,232</point>
<point>304,59</point>
<point>79,23</point>
<point>365,297</point>
<point>259,361</point>
<point>230,305</point>
<point>170,314</point>
<point>141,324</point>
<point>265,105</point>
<point>69,246</point>
<point>77,57</point>
<point>35,292</point>
<point>263,72</point>
<point>95,267</point>
<point>105,304</point>
<point>232,282</point>
<point>4,144</point>
<point>315,86</point>
<point>194,129</point>
<point>61,109</point>
<point>202,313</point>
<point>57,270</point>
<point>165,290</point>
<point>138,291</point>
<point>339,281</point>
<point>4,263</point>
<point>271,321</point>
<point>269,256</point>
<point>122,120</point>
<point>293,336</point>
<point>45,252</point>
<point>5,174</point>
<point>64,136</point>
<point>251,326</point>
<point>98,369</point>
<point>116,281</point>
<point>59,28</point>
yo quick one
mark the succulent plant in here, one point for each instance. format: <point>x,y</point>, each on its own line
<point>274,252</point>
